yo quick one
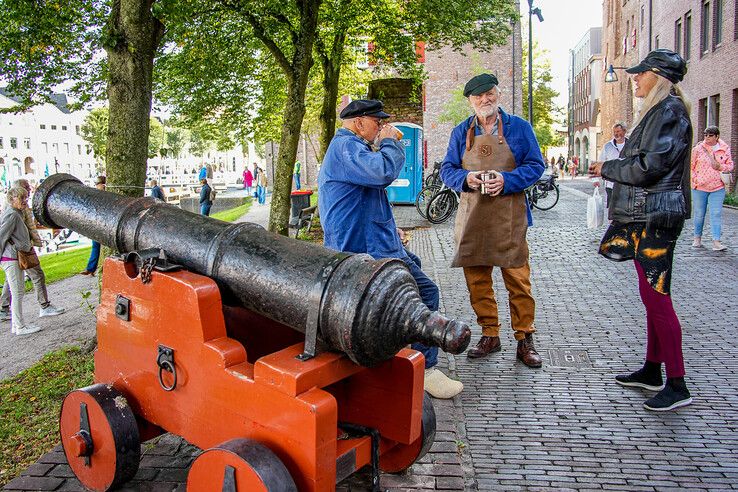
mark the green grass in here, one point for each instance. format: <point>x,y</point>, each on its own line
<point>233,213</point>
<point>731,199</point>
<point>30,404</point>
<point>61,265</point>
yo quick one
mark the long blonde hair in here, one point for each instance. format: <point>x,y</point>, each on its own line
<point>660,91</point>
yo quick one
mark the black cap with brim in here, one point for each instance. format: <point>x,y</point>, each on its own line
<point>364,107</point>
<point>480,84</point>
<point>662,62</point>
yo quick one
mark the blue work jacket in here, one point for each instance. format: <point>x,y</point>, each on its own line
<point>354,209</point>
<point>522,141</point>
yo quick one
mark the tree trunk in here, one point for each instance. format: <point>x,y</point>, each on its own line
<point>134,37</point>
<point>331,75</point>
<point>297,79</point>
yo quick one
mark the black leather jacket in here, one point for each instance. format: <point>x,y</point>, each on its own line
<point>656,157</point>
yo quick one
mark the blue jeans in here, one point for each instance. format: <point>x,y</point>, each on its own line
<point>205,208</point>
<point>430,296</point>
<point>297,181</point>
<point>261,193</point>
<point>94,257</point>
<point>700,201</point>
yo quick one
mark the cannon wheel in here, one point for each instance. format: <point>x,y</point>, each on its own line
<point>100,437</point>
<point>240,465</point>
<point>402,456</point>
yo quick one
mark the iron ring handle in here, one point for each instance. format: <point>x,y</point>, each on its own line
<point>165,364</point>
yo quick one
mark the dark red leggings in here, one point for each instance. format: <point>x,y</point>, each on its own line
<point>664,330</point>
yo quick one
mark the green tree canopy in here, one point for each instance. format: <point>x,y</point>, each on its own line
<point>95,132</point>
<point>545,111</point>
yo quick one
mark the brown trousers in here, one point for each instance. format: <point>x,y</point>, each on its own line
<point>482,296</point>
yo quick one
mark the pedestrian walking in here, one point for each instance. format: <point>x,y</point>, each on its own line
<point>491,227</point>
<point>205,198</point>
<point>356,214</point>
<point>650,204</point>
<point>94,258</point>
<point>611,150</point>
<point>710,159</point>
<point>156,191</point>
<point>248,180</point>
<point>296,174</point>
<point>14,237</point>
<point>36,274</point>
<point>262,188</point>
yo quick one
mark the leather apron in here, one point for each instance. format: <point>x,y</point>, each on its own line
<point>490,230</point>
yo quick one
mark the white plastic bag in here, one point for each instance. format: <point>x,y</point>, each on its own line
<point>595,210</point>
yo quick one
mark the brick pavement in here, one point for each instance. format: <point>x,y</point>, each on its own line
<point>559,427</point>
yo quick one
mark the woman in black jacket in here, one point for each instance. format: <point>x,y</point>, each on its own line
<point>650,202</point>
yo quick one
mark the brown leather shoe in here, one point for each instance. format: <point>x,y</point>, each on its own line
<point>527,352</point>
<point>485,346</point>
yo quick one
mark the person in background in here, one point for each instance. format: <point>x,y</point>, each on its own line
<point>296,174</point>
<point>36,274</point>
<point>248,180</point>
<point>710,157</point>
<point>205,202</point>
<point>650,202</point>
<point>611,150</point>
<point>262,188</point>
<point>203,173</point>
<point>256,181</point>
<point>14,237</point>
<point>95,251</point>
<point>156,191</point>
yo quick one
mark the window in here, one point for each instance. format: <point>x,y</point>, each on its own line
<point>13,143</point>
<point>701,116</point>
<point>79,149</point>
<point>46,147</point>
<point>55,148</point>
<point>705,28</point>
<point>687,36</point>
<point>717,23</point>
<point>64,128</point>
<point>2,145</point>
<point>678,36</point>
<point>43,127</point>
<point>76,129</point>
<point>713,110</point>
<point>656,42</point>
<point>53,127</point>
<point>66,148</point>
<point>643,16</point>
<point>27,143</point>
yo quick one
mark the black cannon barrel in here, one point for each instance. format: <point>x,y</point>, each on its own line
<point>367,308</point>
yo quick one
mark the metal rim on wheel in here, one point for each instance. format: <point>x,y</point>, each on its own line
<point>424,196</point>
<point>441,207</point>
<point>552,194</point>
<point>100,436</point>
<point>240,465</point>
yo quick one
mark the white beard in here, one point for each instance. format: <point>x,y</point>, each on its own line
<point>485,112</point>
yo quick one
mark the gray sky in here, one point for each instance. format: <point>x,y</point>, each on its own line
<point>564,24</point>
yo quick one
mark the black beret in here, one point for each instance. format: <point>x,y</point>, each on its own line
<point>480,84</point>
<point>364,107</point>
<point>662,62</point>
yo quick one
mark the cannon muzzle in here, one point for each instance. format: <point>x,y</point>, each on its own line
<point>367,308</point>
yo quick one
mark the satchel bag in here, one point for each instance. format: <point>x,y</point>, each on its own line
<point>28,259</point>
<point>665,209</point>
<point>727,178</point>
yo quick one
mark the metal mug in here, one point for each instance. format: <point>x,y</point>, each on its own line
<point>484,176</point>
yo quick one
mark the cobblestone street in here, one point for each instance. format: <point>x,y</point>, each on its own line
<point>567,425</point>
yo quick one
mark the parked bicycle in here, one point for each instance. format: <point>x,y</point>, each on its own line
<point>434,178</point>
<point>442,205</point>
<point>544,194</point>
<point>424,196</point>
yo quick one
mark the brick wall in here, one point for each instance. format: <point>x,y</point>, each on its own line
<point>402,99</point>
<point>448,70</point>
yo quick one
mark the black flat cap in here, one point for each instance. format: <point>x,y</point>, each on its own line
<point>363,107</point>
<point>480,84</point>
<point>662,62</point>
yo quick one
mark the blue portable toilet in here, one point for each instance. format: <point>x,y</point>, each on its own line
<point>410,181</point>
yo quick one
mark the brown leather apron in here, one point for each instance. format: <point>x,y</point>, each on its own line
<point>490,230</point>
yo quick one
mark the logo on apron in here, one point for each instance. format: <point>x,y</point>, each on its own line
<point>485,150</point>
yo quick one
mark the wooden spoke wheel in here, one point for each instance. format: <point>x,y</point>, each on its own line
<point>239,465</point>
<point>402,456</point>
<point>100,436</point>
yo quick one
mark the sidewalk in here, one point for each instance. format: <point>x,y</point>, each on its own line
<point>566,426</point>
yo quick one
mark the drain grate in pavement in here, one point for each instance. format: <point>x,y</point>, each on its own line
<point>577,358</point>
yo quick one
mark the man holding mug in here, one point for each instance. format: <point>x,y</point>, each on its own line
<point>356,214</point>
<point>491,227</point>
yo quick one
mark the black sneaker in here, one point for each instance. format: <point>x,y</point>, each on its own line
<point>669,398</point>
<point>641,379</point>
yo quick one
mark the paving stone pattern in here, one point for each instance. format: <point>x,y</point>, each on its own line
<point>557,428</point>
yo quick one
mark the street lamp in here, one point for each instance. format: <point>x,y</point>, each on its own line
<point>537,12</point>
<point>611,76</point>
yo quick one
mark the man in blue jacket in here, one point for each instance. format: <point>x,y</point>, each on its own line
<point>491,227</point>
<point>356,215</point>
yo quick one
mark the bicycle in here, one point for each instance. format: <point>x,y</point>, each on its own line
<point>442,205</point>
<point>544,194</point>
<point>434,178</point>
<point>424,196</point>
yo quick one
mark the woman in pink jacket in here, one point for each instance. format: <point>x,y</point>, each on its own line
<point>710,157</point>
<point>248,180</point>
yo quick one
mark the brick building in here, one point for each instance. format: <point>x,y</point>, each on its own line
<point>585,68</point>
<point>705,33</point>
<point>622,27</point>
